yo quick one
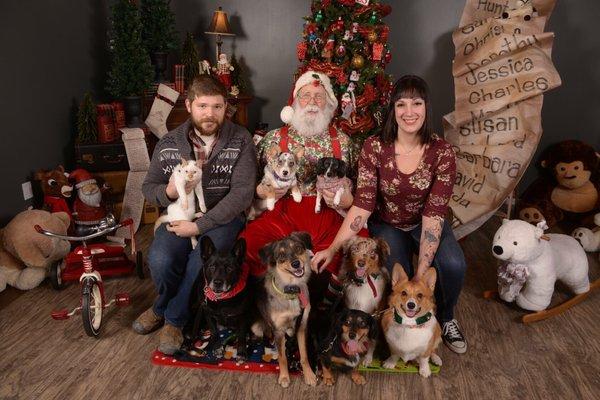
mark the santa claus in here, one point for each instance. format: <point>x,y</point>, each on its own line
<point>88,209</point>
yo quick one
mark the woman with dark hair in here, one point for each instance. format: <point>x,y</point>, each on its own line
<point>405,179</point>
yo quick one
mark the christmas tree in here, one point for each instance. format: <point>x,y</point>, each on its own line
<point>87,130</point>
<point>158,22</point>
<point>131,72</point>
<point>346,39</point>
<point>238,76</point>
<point>189,58</point>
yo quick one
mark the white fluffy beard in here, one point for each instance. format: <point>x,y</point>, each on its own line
<point>311,125</point>
<point>91,198</point>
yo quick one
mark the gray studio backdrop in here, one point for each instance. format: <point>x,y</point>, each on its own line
<point>54,51</point>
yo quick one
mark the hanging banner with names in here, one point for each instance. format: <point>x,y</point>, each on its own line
<point>501,69</point>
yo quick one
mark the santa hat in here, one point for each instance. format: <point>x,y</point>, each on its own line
<point>316,78</point>
<point>81,178</point>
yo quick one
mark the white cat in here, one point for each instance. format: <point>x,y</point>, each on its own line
<point>184,208</point>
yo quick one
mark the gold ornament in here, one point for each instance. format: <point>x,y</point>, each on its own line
<point>358,61</point>
<point>372,36</point>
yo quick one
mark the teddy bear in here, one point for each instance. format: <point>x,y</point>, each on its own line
<point>26,255</point>
<point>589,238</point>
<point>536,261</point>
<point>569,188</point>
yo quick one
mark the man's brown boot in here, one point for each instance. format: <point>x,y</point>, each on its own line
<point>170,339</point>
<point>147,322</point>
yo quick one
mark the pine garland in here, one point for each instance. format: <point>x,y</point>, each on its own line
<point>189,58</point>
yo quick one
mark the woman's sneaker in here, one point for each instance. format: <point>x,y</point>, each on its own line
<point>453,337</point>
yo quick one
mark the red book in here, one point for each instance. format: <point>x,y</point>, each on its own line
<point>119,115</point>
<point>106,125</point>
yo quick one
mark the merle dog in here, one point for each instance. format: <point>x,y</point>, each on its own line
<point>223,294</point>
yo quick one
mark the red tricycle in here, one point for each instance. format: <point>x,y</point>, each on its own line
<point>85,264</point>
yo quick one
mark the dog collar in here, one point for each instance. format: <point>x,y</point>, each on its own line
<point>291,296</point>
<point>370,282</point>
<point>239,286</point>
<point>279,178</point>
<point>419,321</point>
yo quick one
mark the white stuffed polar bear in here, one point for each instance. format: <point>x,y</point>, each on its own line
<point>589,239</point>
<point>545,258</point>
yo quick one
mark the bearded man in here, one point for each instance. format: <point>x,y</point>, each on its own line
<point>309,118</point>
<point>228,160</point>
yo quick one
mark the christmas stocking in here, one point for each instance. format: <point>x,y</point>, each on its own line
<point>161,108</point>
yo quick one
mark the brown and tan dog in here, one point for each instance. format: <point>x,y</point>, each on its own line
<point>283,298</point>
<point>410,327</point>
<point>365,278</point>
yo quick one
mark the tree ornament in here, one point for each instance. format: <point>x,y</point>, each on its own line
<point>358,61</point>
<point>339,24</point>
<point>301,50</point>
<point>372,36</point>
<point>340,51</point>
<point>373,18</point>
<point>388,57</point>
<point>319,16</point>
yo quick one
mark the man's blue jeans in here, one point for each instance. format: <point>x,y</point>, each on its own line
<point>449,261</point>
<point>174,267</point>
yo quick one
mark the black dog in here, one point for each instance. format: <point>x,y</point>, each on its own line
<point>225,295</point>
<point>348,341</point>
<point>332,176</point>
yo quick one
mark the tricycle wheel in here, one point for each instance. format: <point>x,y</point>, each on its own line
<point>139,264</point>
<point>91,307</point>
<point>56,275</point>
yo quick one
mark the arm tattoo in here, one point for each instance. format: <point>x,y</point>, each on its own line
<point>356,224</point>
<point>430,240</point>
<point>430,236</point>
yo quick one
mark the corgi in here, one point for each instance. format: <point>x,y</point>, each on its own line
<point>409,325</point>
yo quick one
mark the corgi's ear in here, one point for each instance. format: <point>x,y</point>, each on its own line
<point>398,275</point>
<point>429,278</point>
<point>299,152</point>
<point>273,151</point>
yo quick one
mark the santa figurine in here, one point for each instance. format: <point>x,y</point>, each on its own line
<point>88,209</point>
<point>348,106</point>
<point>223,70</point>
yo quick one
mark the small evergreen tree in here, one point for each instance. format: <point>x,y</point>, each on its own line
<point>158,24</point>
<point>238,75</point>
<point>189,58</point>
<point>87,129</point>
<point>131,72</point>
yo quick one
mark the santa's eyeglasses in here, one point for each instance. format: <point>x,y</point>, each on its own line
<point>307,97</point>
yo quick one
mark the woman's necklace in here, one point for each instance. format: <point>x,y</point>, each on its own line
<point>408,152</point>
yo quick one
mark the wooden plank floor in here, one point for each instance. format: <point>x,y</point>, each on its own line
<point>45,359</point>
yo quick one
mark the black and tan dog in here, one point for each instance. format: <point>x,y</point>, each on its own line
<point>348,341</point>
<point>283,300</point>
<point>224,295</point>
<point>332,175</point>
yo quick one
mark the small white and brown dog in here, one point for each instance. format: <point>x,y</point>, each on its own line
<point>279,173</point>
<point>409,325</point>
<point>364,278</point>
<point>332,176</point>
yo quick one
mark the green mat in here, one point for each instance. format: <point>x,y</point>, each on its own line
<point>401,367</point>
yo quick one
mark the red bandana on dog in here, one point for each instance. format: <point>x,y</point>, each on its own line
<point>239,286</point>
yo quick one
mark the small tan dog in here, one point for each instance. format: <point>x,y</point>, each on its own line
<point>410,327</point>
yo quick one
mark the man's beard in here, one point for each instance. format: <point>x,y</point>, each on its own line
<point>311,124</point>
<point>198,125</point>
<point>92,199</point>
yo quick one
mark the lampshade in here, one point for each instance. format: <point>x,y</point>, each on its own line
<point>219,24</point>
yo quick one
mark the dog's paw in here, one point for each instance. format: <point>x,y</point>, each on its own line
<point>390,363</point>
<point>284,380</point>
<point>310,378</point>
<point>297,197</point>
<point>436,359</point>
<point>367,360</point>
<point>424,370</point>
<point>328,380</point>
<point>358,379</point>
<point>270,204</point>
